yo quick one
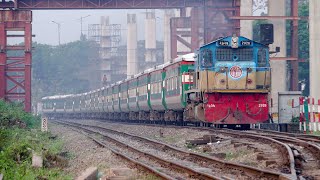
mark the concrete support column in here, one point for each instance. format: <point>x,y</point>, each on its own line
<point>132,63</point>
<point>279,68</point>
<point>246,25</point>
<point>168,14</point>
<point>150,37</point>
<point>314,26</point>
<point>105,44</point>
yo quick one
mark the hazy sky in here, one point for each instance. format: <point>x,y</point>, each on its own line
<point>47,32</point>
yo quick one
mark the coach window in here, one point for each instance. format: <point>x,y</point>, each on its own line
<point>206,58</point>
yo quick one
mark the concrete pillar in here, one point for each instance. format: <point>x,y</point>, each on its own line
<point>150,37</point>
<point>132,43</point>
<point>279,68</point>
<point>168,14</point>
<point>105,44</point>
<point>314,26</point>
<point>246,25</point>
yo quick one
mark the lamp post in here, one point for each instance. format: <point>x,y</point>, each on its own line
<point>59,26</point>
<point>81,19</point>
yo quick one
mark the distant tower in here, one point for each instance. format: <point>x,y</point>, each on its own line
<point>150,38</point>
<point>132,60</point>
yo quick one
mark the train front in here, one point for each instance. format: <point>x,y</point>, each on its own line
<point>231,83</point>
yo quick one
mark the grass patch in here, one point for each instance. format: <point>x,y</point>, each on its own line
<point>234,155</point>
<point>317,133</point>
<point>20,137</point>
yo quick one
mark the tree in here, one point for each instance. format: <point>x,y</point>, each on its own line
<point>65,69</point>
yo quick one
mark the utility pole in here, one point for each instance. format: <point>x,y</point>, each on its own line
<point>59,26</point>
<point>81,19</point>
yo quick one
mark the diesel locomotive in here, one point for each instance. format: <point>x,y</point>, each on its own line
<point>226,82</point>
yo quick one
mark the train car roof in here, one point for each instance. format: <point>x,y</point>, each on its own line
<point>57,97</point>
<point>187,57</point>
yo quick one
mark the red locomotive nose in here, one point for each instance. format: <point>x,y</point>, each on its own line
<point>232,108</point>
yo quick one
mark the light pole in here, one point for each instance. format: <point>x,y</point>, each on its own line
<point>59,26</point>
<point>82,17</point>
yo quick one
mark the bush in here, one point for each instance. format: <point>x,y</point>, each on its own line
<point>16,154</point>
<point>20,136</point>
<point>12,114</point>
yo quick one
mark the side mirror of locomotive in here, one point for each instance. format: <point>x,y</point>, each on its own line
<point>266,34</point>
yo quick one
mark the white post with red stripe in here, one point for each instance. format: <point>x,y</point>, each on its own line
<point>301,113</point>
<point>314,116</point>
<point>310,114</point>
<point>318,114</point>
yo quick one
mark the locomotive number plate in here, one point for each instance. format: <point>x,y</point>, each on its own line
<point>223,43</point>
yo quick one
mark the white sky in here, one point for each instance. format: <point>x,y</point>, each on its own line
<point>47,32</point>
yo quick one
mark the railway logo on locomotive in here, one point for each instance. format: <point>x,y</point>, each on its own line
<point>235,72</point>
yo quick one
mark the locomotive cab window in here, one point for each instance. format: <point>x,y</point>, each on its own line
<point>206,58</point>
<point>262,57</point>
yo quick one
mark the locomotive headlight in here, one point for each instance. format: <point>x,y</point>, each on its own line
<point>222,70</point>
<point>234,42</point>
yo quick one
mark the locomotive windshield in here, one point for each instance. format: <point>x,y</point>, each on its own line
<point>206,58</point>
<point>228,54</point>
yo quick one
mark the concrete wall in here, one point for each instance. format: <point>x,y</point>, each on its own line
<point>132,62</point>
<point>279,68</point>
<point>314,26</point>
<point>246,25</point>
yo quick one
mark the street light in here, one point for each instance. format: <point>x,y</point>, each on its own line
<point>59,26</point>
<point>82,17</point>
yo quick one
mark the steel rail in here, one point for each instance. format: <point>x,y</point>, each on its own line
<point>314,149</point>
<point>252,171</point>
<point>307,137</point>
<point>178,167</point>
<point>130,160</point>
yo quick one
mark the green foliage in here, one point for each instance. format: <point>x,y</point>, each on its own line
<point>13,115</point>
<point>16,154</point>
<point>303,33</point>
<point>295,120</point>
<point>18,141</point>
<point>65,69</point>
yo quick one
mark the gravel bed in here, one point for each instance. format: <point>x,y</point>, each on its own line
<point>173,156</point>
<point>84,153</point>
<point>142,158</point>
<point>245,151</point>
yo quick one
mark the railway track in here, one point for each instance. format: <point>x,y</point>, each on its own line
<point>157,166</point>
<point>195,164</point>
<point>305,150</point>
<point>305,137</point>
